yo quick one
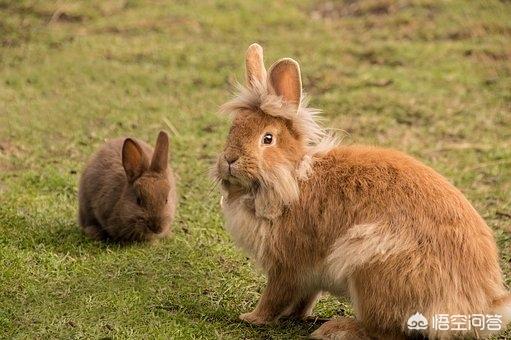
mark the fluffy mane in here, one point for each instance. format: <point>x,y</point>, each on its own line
<point>278,93</point>
<point>304,120</point>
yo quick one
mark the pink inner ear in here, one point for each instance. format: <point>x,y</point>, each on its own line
<point>285,79</point>
<point>133,159</point>
<point>288,88</point>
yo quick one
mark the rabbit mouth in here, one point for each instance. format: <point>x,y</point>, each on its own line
<point>155,229</point>
<point>233,176</point>
<point>231,181</point>
<point>229,176</point>
<point>156,225</point>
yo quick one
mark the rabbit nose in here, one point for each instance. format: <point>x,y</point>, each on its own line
<point>231,159</point>
<point>154,227</point>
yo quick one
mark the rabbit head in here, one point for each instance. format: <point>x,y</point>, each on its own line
<point>145,203</point>
<point>269,144</point>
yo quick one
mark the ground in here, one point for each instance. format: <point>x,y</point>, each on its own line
<point>427,77</point>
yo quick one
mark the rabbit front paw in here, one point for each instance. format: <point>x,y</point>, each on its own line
<point>95,232</point>
<point>255,318</point>
<point>341,328</point>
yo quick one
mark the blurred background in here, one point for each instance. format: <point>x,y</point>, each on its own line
<point>431,78</point>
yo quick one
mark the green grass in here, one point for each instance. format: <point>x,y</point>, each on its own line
<point>427,77</point>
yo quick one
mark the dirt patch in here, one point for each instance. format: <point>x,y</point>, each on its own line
<point>480,30</point>
<point>378,57</point>
<point>488,55</point>
<point>143,26</point>
<point>20,23</point>
<point>8,150</point>
<point>333,10</point>
<point>62,16</point>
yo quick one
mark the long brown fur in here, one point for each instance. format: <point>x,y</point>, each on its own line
<point>127,191</point>
<point>369,223</point>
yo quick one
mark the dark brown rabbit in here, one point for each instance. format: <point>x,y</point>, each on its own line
<point>127,192</point>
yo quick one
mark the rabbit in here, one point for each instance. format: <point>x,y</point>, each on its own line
<point>127,192</point>
<point>367,223</point>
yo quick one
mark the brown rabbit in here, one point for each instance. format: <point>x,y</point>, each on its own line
<point>372,224</point>
<point>125,197</point>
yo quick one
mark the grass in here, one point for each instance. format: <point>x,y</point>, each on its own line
<point>426,77</point>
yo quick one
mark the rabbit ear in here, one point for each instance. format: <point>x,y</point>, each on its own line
<point>256,73</point>
<point>134,160</point>
<point>161,153</point>
<point>286,81</point>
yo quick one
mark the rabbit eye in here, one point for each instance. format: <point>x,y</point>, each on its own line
<point>267,138</point>
<point>139,201</point>
<point>166,200</point>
